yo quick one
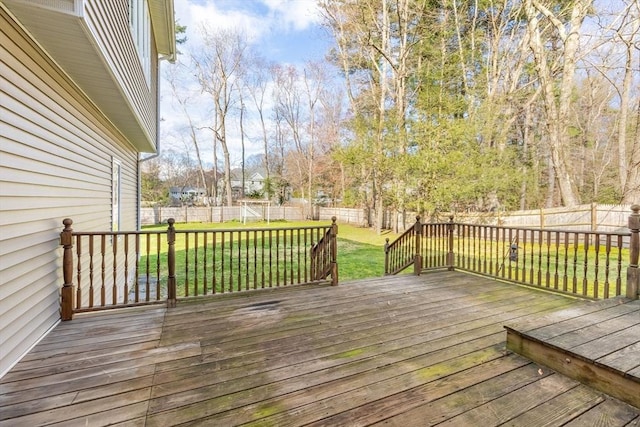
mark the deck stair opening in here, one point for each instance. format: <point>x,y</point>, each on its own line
<point>597,343</point>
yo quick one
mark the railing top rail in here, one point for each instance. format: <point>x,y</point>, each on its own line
<point>117,233</point>
<point>226,230</point>
<point>548,229</point>
<point>201,230</point>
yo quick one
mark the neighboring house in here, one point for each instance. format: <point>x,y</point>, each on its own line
<point>79,102</point>
<point>253,185</point>
<point>189,196</point>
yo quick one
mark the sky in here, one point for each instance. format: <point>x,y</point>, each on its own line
<point>284,31</point>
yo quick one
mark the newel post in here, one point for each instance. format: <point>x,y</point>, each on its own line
<point>417,258</point>
<point>68,291</point>
<point>450,256</point>
<point>633,271</point>
<point>334,251</point>
<point>171,260</point>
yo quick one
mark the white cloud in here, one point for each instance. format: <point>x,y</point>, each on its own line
<point>294,14</point>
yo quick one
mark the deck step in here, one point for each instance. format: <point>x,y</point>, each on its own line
<point>597,343</point>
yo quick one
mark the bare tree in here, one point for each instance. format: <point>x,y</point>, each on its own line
<point>218,68</point>
<point>182,97</point>
<point>256,82</point>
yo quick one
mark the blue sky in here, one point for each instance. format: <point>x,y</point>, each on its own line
<point>284,31</point>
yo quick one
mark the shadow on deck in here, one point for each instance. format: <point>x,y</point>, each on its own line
<point>400,350</point>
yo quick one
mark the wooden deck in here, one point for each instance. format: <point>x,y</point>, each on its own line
<point>403,350</point>
<point>597,344</point>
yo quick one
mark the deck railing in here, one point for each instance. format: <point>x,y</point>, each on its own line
<point>586,263</point>
<point>119,269</point>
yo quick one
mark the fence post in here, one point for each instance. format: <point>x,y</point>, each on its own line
<point>633,271</point>
<point>171,260</point>
<point>334,251</point>
<point>68,291</point>
<point>417,258</point>
<point>450,256</point>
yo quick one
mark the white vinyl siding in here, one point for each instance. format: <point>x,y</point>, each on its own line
<point>56,152</point>
<point>109,24</point>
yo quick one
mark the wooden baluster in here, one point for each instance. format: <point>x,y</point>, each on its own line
<point>499,254</point>
<point>186,264</point>
<point>334,251</point>
<point>271,258</point>
<point>607,266</point>
<point>490,254</point>
<point>511,242</point>
<point>195,264</point>
<point>137,268</point>
<point>214,267</point>
<point>171,260</point>
<point>277,257</point>
<point>556,244</point>
<point>255,259</point>
<point>532,264</point>
<point>67,292</point>
<point>114,287</point>
<point>204,264</point>
<point>91,288</point>
<point>547,276</point>
<point>483,249</point>
<point>284,256</point>
<point>633,271</point>
<point>619,267</point>
<point>586,264</point>
<point>79,275</point>
<point>158,271</point>
<point>222,261</point>
<point>523,254</point>
<point>306,261</point>
<point>565,279</point>
<point>540,238</point>
<point>298,262</point>
<point>574,287</point>
<point>596,265</point>
<point>125,292</point>
<point>247,236</point>
<point>417,257</point>
<point>103,269</point>
<point>239,260</point>
<point>262,251</point>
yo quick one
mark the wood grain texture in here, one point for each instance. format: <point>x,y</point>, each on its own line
<point>402,350</point>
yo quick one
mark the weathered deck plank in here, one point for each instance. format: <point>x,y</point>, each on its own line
<point>394,350</point>
<point>598,347</point>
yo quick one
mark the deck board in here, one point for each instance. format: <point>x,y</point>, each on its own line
<point>401,350</point>
<point>598,346</point>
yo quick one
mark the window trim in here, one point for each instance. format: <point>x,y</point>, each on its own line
<point>116,194</point>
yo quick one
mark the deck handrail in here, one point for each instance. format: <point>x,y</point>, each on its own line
<point>114,269</point>
<point>579,262</point>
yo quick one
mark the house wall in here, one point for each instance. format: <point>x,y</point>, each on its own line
<point>109,23</point>
<point>56,151</point>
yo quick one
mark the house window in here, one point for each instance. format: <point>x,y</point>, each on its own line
<point>115,194</point>
<point>140,24</point>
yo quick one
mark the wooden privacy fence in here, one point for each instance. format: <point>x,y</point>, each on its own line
<point>128,268</point>
<point>586,263</point>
